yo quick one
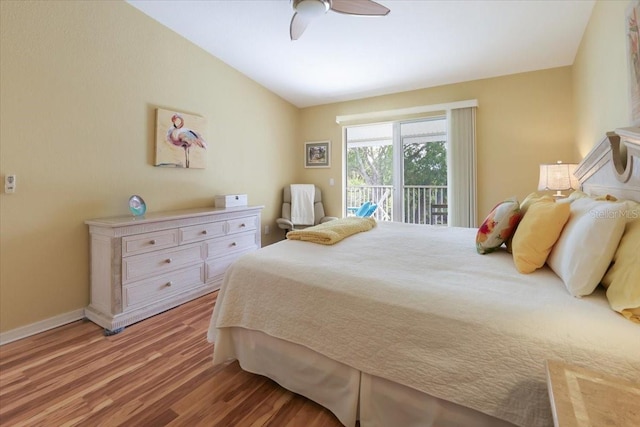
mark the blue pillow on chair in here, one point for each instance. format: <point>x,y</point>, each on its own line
<point>362,210</point>
<point>372,209</point>
<point>366,210</point>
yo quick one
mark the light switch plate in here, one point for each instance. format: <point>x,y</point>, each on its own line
<point>10,184</point>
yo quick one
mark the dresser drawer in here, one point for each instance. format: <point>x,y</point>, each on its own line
<point>155,263</point>
<point>242,224</point>
<point>217,267</point>
<point>231,244</point>
<point>154,289</point>
<point>147,242</point>
<point>197,233</point>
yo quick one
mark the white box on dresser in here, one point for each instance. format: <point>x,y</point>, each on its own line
<point>145,265</point>
<point>230,200</point>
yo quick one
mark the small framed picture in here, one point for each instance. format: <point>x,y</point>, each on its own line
<point>317,154</point>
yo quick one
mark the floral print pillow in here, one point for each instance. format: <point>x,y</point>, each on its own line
<point>498,226</point>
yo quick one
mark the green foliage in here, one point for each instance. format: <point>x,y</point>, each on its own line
<point>424,164</point>
<point>371,165</point>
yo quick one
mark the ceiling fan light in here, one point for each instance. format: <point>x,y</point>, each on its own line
<point>311,8</point>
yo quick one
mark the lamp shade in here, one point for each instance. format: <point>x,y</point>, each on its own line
<point>558,177</point>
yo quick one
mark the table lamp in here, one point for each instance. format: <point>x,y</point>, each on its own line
<point>558,177</point>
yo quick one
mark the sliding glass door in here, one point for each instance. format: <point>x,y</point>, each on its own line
<point>369,173</point>
<point>400,166</point>
<point>424,171</point>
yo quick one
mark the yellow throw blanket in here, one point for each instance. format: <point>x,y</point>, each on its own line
<point>332,232</point>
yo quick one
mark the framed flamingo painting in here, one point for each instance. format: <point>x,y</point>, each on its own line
<point>180,140</point>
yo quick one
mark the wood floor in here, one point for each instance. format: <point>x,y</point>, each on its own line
<point>157,372</point>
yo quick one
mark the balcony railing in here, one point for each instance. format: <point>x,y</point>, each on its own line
<point>422,204</point>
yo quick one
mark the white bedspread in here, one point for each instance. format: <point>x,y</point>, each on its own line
<point>417,305</point>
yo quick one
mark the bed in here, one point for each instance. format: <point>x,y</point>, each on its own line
<point>407,325</point>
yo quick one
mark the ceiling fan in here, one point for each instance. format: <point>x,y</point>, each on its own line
<point>304,11</point>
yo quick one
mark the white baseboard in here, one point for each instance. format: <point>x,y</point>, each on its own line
<point>41,326</point>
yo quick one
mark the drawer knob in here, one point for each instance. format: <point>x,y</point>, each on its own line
<point>168,261</point>
<point>169,284</point>
<point>233,244</point>
<point>204,231</point>
<point>242,225</point>
<point>153,242</point>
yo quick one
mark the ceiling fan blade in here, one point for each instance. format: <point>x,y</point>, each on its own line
<point>299,23</point>
<point>359,7</point>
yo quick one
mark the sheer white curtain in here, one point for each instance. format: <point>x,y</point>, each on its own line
<point>462,167</point>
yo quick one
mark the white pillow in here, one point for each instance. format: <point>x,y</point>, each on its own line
<point>587,244</point>
<point>633,210</point>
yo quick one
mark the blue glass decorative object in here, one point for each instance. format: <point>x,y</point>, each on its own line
<point>137,206</point>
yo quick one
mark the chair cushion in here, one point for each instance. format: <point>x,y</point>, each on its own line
<point>371,210</point>
<point>362,210</point>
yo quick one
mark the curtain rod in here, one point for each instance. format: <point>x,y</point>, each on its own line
<point>407,111</point>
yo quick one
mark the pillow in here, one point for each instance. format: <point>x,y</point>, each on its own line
<point>581,195</point>
<point>498,226</point>
<point>623,277</point>
<point>633,210</point>
<point>536,234</point>
<point>524,206</point>
<point>583,252</point>
<point>607,197</point>
<point>531,199</point>
<point>575,195</point>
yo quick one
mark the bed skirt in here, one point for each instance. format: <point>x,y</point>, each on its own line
<point>348,393</point>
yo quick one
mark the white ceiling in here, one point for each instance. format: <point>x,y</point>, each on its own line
<point>421,43</point>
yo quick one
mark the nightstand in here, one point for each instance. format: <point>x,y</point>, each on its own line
<point>582,397</point>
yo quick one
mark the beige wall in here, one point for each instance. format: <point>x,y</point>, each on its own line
<point>80,83</point>
<point>522,120</point>
<point>600,76</point>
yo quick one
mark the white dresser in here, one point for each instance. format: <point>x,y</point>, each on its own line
<point>143,266</point>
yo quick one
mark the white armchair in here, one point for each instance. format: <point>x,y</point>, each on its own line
<point>318,208</point>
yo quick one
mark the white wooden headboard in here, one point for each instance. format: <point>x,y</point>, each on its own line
<point>613,166</point>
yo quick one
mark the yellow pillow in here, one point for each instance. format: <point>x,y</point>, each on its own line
<point>537,232</point>
<point>533,198</point>
<point>524,206</point>
<point>623,277</point>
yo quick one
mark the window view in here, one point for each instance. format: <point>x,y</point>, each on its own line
<point>409,156</point>
<point>370,169</point>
